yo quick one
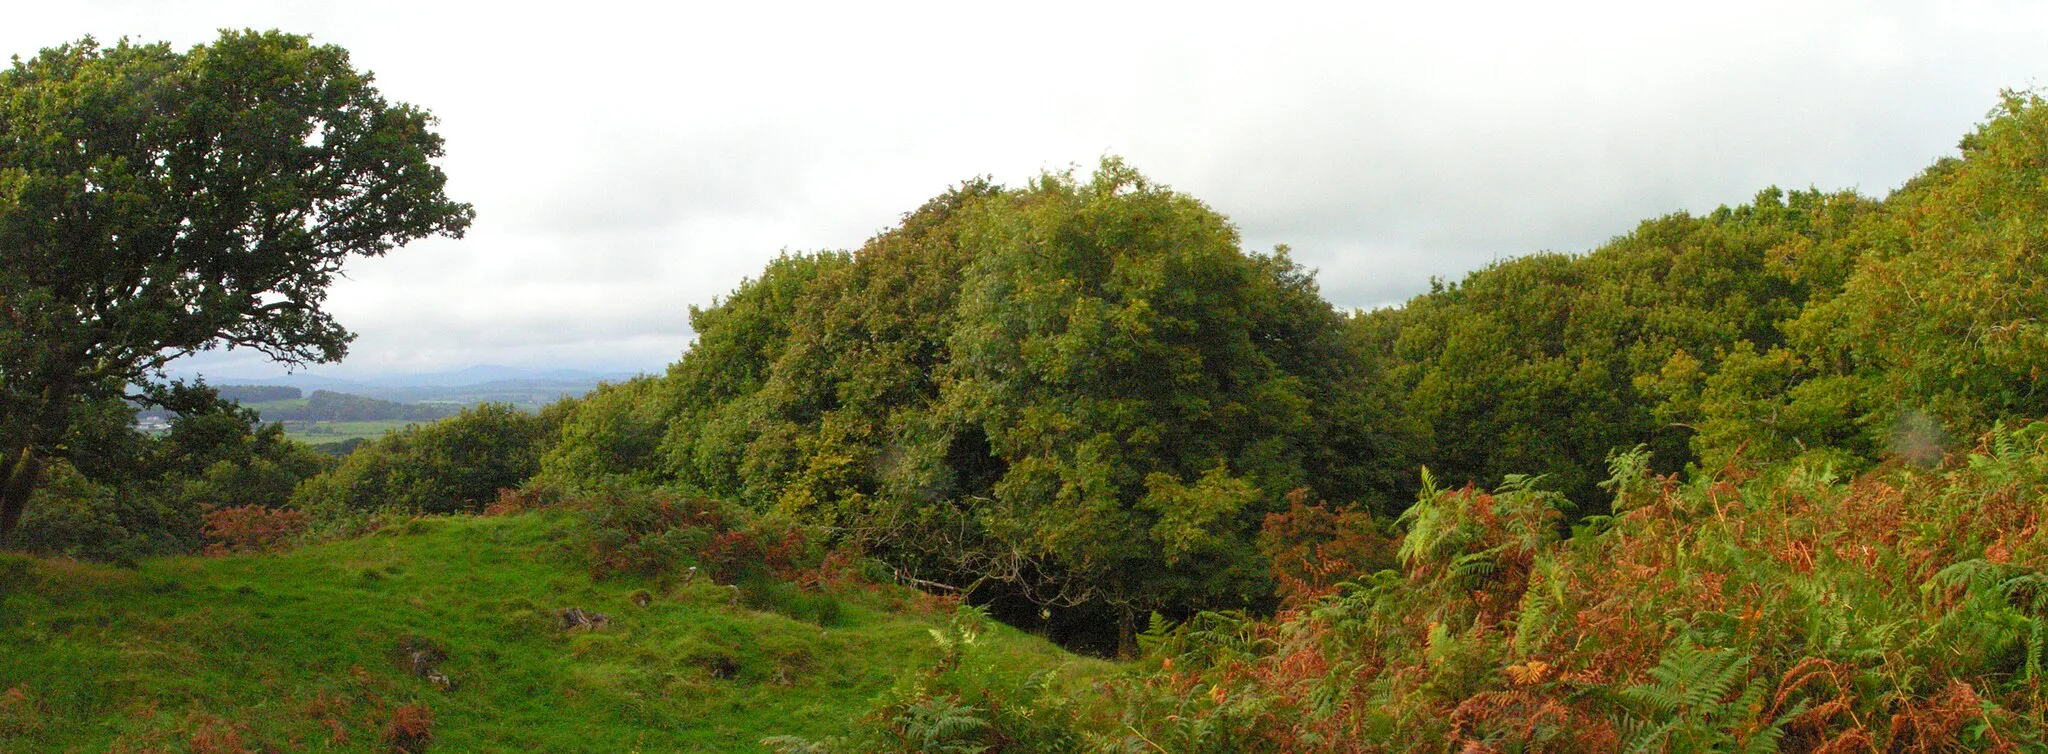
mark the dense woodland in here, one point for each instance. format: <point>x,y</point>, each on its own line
<point>1762,478</point>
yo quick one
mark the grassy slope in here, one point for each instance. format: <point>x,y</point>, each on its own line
<point>299,651</point>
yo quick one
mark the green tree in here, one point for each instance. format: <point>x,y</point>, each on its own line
<point>1547,363</point>
<point>456,465</point>
<point>614,432</point>
<point>1925,323</point>
<point>156,203</point>
<point>123,494</point>
<point>1148,387</point>
<point>1082,392</point>
<point>712,393</point>
<point>1944,320</point>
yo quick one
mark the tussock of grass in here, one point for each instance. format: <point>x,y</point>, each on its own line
<point>307,650</point>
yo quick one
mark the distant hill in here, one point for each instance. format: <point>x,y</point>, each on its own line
<point>524,387</point>
<point>327,405</point>
<point>467,376</point>
<point>259,393</point>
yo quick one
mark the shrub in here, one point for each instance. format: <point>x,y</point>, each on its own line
<point>645,532</point>
<point>1314,548</point>
<point>79,517</point>
<point>252,528</point>
<point>456,465</point>
<point>652,533</point>
<point>614,432</point>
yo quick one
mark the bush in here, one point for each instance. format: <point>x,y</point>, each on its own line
<point>647,533</point>
<point>78,517</point>
<point>252,528</point>
<point>1314,548</point>
<point>121,495</point>
<point>614,432</point>
<point>457,465</point>
<point>654,533</point>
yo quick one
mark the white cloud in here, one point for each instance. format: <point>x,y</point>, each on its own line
<point>627,160</point>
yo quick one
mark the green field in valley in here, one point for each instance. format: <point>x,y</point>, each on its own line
<point>318,432</point>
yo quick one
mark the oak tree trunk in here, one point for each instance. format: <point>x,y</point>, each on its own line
<point>18,478</point>
<point>1126,632</point>
<point>22,470</point>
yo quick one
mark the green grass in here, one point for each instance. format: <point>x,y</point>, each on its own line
<point>326,431</point>
<point>301,651</point>
<point>261,406</point>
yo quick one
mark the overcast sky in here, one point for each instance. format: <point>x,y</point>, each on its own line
<point>629,160</point>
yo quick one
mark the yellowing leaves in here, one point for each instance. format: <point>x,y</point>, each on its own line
<point>1191,515</point>
<point>1528,673</point>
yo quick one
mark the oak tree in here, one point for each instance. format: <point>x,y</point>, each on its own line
<point>155,203</point>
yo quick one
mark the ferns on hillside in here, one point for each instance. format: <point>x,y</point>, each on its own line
<point>1702,700</point>
<point>1784,610</point>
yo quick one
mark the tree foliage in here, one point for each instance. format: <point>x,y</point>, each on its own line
<point>1944,312</point>
<point>126,494</point>
<point>1702,490</point>
<point>1929,336</point>
<point>613,434</point>
<point>458,464</point>
<point>1077,392</point>
<point>156,203</point>
<point>1544,364</point>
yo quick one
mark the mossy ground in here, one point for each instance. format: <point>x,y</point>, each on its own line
<point>301,651</point>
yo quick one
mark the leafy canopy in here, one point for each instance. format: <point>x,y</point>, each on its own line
<point>156,203</point>
<point>1082,392</point>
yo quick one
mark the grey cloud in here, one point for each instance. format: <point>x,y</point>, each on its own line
<point>630,160</point>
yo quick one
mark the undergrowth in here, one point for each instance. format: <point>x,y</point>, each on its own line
<point>1783,609</point>
<point>1789,610</point>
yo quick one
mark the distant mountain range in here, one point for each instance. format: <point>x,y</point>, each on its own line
<point>465,377</point>
<point>474,384</point>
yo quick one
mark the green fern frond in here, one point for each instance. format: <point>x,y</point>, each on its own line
<point>1701,700</point>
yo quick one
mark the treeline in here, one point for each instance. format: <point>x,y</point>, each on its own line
<point>321,405</point>
<point>327,405</point>
<point>1076,400</point>
<point>1828,326</point>
<point>258,393</point>
<point>1083,399</point>
<point>125,495</point>
<point>1764,479</point>
<point>1081,402</point>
